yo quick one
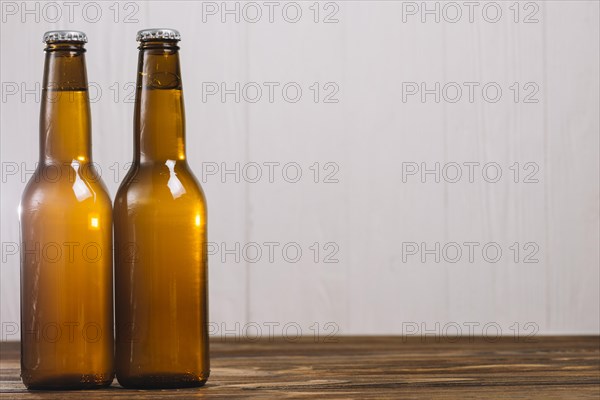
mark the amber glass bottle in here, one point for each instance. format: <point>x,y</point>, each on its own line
<point>66,237</point>
<point>160,236</point>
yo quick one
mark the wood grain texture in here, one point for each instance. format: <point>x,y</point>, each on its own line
<point>373,367</point>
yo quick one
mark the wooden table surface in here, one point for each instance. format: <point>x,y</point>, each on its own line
<point>372,367</point>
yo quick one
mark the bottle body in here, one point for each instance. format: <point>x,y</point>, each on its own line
<point>161,279</point>
<point>66,284</point>
<point>161,283</point>
<point>66,243</point>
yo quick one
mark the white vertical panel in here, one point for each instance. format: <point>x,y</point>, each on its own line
<point>572,126</point>
<point>368,134</point>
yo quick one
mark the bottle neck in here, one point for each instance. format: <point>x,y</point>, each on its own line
<point>159,121</point>
<point>65,123</point>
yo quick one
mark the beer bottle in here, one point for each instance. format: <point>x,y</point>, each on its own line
<point>66,237</point>
<point>160,236</point>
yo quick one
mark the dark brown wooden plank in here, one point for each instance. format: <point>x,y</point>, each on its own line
<point>374,368</point>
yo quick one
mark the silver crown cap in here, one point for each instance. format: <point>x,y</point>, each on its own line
<point>65,36</point>
<point>157,33</point>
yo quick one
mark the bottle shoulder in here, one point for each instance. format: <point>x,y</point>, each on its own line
<point>65,186</point>
<point>164,182</point>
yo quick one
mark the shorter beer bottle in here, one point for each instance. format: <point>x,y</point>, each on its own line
<point>66,237</point>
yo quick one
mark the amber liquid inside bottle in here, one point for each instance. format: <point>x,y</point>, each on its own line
<point>160,240</point>
<point>66,241</point>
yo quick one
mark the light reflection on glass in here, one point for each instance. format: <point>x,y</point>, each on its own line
<point>174,183</point>
<point>80,188</point>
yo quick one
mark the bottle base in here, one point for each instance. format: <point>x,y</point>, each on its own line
<point>163,381</point>
<point>68,382</point>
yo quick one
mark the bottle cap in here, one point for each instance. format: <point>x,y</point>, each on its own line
<point>65,36</point>
<point>146,35</point>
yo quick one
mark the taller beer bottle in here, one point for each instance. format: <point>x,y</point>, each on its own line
<point>160,236</point>
<point>66,237</point>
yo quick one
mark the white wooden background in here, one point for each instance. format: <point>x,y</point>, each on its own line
<point>368,134</point>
